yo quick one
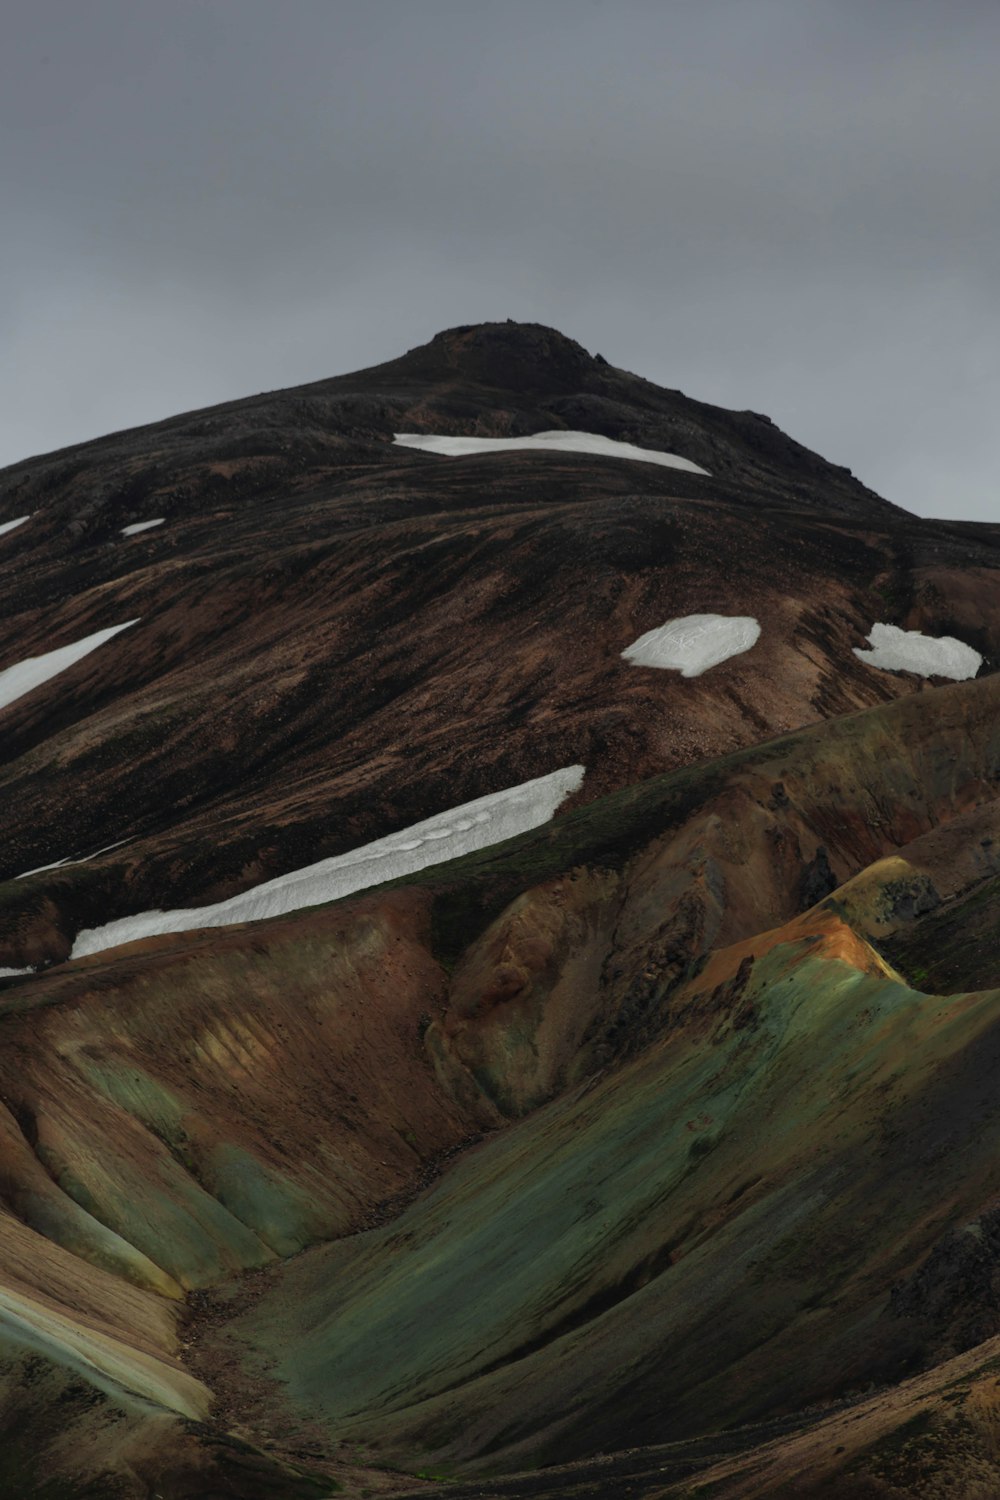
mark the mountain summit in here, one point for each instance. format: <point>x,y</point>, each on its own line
<point>495,379</point>
<point>509,355</point>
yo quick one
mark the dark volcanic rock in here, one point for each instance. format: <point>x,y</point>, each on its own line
<point>955,1294</point>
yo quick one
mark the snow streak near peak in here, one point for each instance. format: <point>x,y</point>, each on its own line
<point>554,442</point>
<point>462,830</point>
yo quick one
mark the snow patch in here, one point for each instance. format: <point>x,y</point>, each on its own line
<point>138,526</point>
<point>694,643</point>
<point>14,973</point>
<point>57,864</point>
<point>554,442</point>
<point>462,830</point>
<point>9,525</point>
<point>896,650</point>
<point>26,675</point>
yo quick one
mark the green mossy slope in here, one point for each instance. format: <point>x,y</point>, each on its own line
<point>705,1236</point>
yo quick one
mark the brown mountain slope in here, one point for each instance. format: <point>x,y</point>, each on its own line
<point>369,633</point>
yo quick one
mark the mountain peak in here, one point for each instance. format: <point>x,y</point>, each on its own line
<point>510,354</point>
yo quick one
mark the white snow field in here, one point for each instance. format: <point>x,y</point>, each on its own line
<point>25,675</point>
<point>553,442</point>
<point>9,525</point>
<point>461,830</point>
<point>694,643</point>
<point>896,650</point>
<point>138,526</point>
<point>13,973</point>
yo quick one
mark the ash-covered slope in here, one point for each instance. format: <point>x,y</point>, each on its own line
<point>638,1128</point>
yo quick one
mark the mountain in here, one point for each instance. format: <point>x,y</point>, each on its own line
<point>439,1043</point>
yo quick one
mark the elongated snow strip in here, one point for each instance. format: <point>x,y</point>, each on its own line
<point>554,442</point>
<point>693,643</point>
<point>462,830</point>
<point>138,526</point>
<point>26,675</point>
<point>9,525</point>
<point>896,650</point>
<point>82,859</point>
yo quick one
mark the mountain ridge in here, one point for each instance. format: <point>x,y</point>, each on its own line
<point>527,358</point>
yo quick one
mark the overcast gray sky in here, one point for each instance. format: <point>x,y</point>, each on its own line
<point>789,205</point>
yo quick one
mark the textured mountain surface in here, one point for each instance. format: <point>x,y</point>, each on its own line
<point>653,1151</point>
